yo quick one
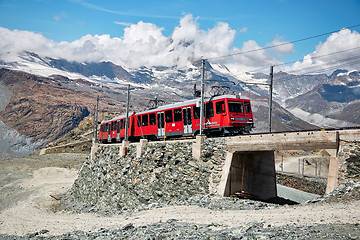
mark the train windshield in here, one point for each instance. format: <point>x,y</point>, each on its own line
<point>247,107</point>
<point>236,107</point>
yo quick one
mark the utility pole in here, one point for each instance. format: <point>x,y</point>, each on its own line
<point>270,95</point>
<point>96,109</point>
<point>202,97</point>
<point>96,117</point>
<point>127,112</point>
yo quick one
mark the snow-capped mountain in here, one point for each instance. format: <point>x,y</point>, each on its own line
<point>301,101</point>
<point>102,73</point>
<point>335,103</point>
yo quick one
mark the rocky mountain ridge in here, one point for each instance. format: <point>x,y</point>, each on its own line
<point>333,103</point>
<point>44,97</point>
<point>40,110</point>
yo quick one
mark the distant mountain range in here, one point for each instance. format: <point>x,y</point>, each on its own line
<point>42,98</point>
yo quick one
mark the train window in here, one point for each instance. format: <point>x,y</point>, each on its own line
<point>106,127</point>
<point>247,107</point>
<point>220,107</point>
<point>122,124</point>
<point>209,109</point>
<point>139,121</point>
<point>168,116</point>
<point>177,115</point>
<point>188,116</point>
<point>196,112</point>
<point>145,120</point>
<point>236,107</point>
<point>109,128</point>
<point>152,118</point>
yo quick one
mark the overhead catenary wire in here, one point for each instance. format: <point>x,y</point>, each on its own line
<point>282,44</point>
<point>330,65</point>
<point>301,69</point>
<point>263,48</point>
<point>282,64</point>
<point>318,71</point>
<point>319,56</point>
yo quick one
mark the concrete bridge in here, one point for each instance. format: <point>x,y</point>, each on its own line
<point>249,165</point>
<point>251,158</point>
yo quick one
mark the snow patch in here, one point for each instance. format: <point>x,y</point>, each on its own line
<point>319,120</point>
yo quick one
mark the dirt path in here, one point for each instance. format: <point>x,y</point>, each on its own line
<point>32,213</point>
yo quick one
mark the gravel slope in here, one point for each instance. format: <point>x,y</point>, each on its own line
<point>39,178</point>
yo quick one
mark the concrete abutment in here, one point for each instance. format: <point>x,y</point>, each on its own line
<point>249,173</point>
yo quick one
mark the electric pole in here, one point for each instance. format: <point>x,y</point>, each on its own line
<point>127,112</point>
<point>96,110</point>
<point>202,97</point>
<point>270,95</point>
<point>96,118</point>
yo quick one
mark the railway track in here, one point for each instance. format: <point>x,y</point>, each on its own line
<point>187,138</point>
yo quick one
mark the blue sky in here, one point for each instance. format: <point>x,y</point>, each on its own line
<point>259,21</point>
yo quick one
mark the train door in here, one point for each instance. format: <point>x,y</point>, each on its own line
<point>118,131</point>
<point>161,124</point>
<point>109,131</point>
<point>187,120</point>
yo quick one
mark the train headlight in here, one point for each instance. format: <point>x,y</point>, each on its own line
<point>232,119</point>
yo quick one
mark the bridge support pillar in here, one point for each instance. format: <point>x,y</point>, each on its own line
<point>123,148</point>
<point>333,175</point>
<point>141,147</point>
<point>197,147</point>
<point>94,148</point>
<point>250,173</point>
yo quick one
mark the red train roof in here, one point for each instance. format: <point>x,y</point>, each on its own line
<point>177,105</point>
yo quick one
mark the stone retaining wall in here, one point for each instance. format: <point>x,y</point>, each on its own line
<point>164,174</point>
<point>349,158</point>
<point>167,173</point>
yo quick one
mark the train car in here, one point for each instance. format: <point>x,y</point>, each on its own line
<point>223,115</point>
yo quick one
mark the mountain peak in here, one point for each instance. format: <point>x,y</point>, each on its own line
<point>337,72</point>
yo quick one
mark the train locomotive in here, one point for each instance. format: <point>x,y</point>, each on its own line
<point>223,116</point>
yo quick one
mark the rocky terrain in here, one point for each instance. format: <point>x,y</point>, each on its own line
<point>69,196</point>
<point>43,109</point>
<point>173,229</point>
<point>30,187</point>
<point>37,110</point>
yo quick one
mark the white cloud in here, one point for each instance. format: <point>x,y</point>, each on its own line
<point>144,44</point>
<point>251,57</point>
<point>123,23</point>
<point>17,41</point>
<point>243,30</point>
<point>280,46</point>
<point>340,50</point>
<point>60,16</point>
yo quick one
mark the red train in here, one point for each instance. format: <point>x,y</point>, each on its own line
<point>223,115</point>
